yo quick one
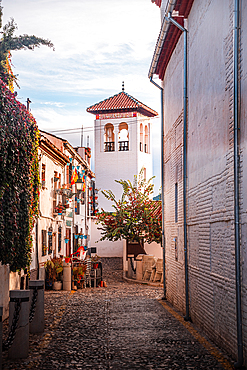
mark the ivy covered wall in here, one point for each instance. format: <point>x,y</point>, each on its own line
<point>19,180</point>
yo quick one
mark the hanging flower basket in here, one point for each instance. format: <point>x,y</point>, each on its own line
<point>66,241</point>
<point>95,265</point>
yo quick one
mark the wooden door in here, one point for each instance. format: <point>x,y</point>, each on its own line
<point>135,248</point>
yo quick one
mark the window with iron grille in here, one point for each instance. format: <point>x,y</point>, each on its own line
<point>43,175</point>
<point>49,241</point>
<point>59,239</point>
<point>44,247</point>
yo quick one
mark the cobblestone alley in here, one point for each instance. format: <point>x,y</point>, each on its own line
<point>123,326</point>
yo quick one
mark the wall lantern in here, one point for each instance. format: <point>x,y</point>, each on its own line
<point>79,184</point>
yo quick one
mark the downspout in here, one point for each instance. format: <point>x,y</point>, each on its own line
<point>239,363</point>
<point>163,241</point>
<point>185,102</point>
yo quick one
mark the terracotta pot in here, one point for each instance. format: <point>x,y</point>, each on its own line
<point>67,259</point>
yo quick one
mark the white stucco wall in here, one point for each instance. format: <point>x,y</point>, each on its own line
<point>116,165</point>
<point>105,248</point>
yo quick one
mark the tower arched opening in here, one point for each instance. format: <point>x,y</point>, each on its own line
<point>109,138</point>
<point>123,136</point>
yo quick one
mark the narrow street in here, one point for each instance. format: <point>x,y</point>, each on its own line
<point>123,326</point>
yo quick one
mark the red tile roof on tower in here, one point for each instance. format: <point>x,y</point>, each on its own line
<point>121,102</point>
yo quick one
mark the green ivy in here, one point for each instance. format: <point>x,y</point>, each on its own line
<point>19,180</point>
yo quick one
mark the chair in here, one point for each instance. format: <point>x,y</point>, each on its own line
<point>158,275</point>
<point>149,271</point>
<point>145,259</point>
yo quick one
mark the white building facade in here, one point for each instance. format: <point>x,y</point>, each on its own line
<point>123,136</point>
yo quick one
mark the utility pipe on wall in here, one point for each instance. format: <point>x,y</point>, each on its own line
<point>185,102</point>
<point>239,363</point>
<point>163,241</point>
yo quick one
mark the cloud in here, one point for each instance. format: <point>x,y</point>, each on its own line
<point>98,44</point>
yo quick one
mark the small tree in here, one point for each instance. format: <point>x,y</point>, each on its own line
<point>135,216</point>
<point>8,43</point>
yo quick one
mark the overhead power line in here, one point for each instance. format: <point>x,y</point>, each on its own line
<point>92,129</point>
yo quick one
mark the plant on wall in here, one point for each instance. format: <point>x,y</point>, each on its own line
<point>19,180</point>
<point>10,42</point>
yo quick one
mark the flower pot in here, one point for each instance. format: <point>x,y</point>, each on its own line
<point>95,265</point>
<point>48,284</point>
<point>67,259</point>
<point>57,285</point>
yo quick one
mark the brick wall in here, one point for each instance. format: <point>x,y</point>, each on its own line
<point>210,207</point>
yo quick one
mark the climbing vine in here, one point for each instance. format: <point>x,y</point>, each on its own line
<point>19,180</point>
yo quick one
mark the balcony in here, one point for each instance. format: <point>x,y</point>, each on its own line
<point>109,146</point>
<point>123,146</point>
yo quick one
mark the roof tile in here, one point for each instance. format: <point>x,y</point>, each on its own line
<point>121,102</point>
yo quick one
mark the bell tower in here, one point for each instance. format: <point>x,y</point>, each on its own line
<point>122,134</point>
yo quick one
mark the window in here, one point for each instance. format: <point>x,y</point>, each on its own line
<point>75,239</point>
<point>57,178</point>
<point>44,247</point>
<point>146,146</point>
<point>176,202</point>
<point>59,239</point>
<point>123,137</point>
<point>77,204</point>
<point>109,138</point>
<point>68,173</point>
<point>43,175</point>
<point>50,240</point>
<point>141,137</point>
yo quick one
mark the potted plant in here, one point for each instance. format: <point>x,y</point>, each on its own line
<point>95,261</point>
<point>58,269</point>
<point>67,258</point>
<point>78,273</point>
<point>49,274</point>
<point>54,269</point>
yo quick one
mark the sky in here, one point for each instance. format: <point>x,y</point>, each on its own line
<point>98,44</point>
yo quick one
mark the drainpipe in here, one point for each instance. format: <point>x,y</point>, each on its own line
<point>185,102</point>
<point>239,363</point>
<point>163,241</point>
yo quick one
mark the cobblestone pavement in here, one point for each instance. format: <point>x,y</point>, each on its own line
<point>123,326</point>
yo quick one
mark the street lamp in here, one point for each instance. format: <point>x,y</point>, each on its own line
<point>79,184</point>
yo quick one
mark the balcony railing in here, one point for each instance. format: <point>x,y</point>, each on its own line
<point>109,146</point>
<point>123,146</point>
